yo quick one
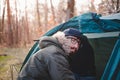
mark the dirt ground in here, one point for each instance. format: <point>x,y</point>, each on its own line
<point>10,61</point>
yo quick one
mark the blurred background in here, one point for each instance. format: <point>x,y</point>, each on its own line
<point>23,21</point>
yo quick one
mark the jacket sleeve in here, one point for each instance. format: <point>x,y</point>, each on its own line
<point>59,68</point>
<point>30,70</point>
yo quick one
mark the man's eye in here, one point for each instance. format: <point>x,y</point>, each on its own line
<point>73,40</point>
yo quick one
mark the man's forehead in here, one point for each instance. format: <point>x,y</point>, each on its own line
<point>72,37</point>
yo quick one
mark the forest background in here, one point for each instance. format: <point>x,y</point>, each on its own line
<point>23,21</point>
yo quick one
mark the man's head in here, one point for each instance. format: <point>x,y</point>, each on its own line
<point>70,39</point>
<point>73,39</point>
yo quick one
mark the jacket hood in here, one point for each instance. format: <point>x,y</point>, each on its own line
<point>46,41</point>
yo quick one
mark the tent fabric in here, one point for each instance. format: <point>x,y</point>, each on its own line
<point>112,16</point>
<point>86,23</point>
<point>112,70</point>
<point>101,35</point>
<point>102,48</point>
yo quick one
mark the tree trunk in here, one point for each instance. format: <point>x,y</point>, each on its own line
<point>53,13</point>
<point>16,25</point>
<point>46,17</point>
<point>10,33</point>
<point>26,31</point>
<point>38,14</point>
<point>2,24</point>
<point>92,6</point>
<point>61,11</point>
<point>70,9</point>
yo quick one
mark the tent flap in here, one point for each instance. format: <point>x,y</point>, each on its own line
<point>112,70</point>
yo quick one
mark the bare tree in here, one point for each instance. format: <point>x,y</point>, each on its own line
<point>10,33</point>
<point>53,13</point>
<point>113,6</point>
<point>38,13</point>
<point>26,27</point>
<point>2,23</point>
<point>70,9</point>
<point>46,17</point>
<point>92,6</point>
<point>109,7</point>
<point>61,11</point>
<point>16,36</point>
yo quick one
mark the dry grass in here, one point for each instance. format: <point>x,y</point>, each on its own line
<point>10,62</point>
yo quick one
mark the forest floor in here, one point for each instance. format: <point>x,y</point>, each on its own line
<point>11,60</point>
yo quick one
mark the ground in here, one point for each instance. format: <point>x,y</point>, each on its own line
<point>10,61</point>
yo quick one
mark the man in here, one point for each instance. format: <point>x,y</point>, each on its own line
<point>51,61</point>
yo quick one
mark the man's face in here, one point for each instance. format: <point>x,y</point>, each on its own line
<point>72,44</point>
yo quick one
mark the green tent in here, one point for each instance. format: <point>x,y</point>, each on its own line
<point>103,34</point>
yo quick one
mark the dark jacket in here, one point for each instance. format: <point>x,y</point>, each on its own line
<point>83,62</point>
<point>49,63</point>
